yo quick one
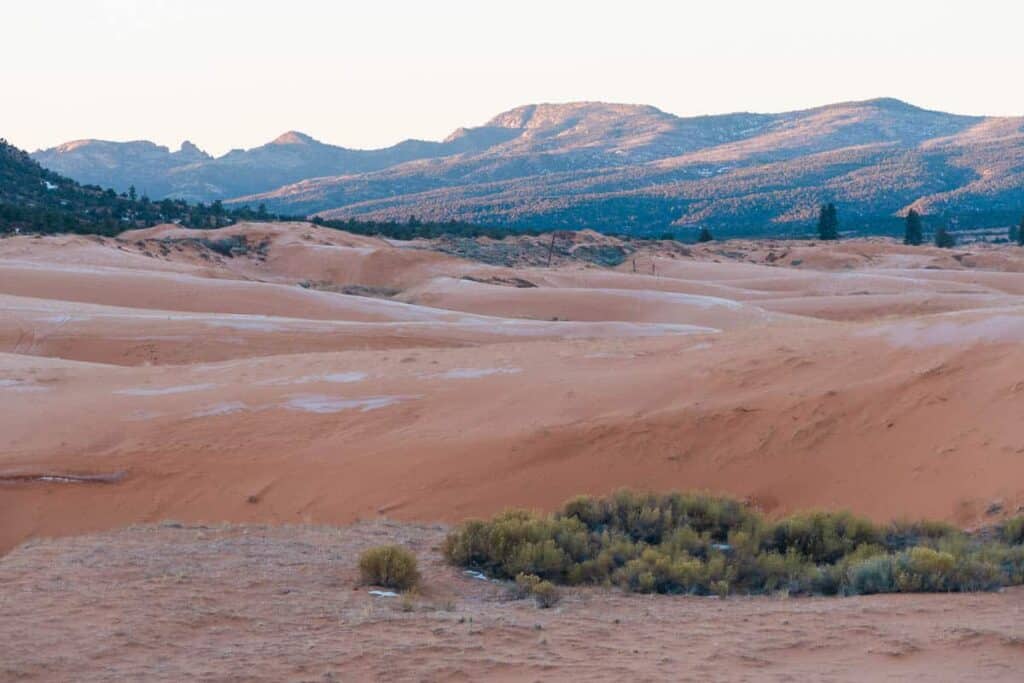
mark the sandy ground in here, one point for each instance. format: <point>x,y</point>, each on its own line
<point>173,603</point>
<point>306,376</point>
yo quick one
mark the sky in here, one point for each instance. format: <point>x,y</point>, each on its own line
<point>369,73</point>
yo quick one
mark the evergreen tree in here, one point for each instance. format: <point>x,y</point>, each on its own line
<point>914,234</point>
<point>828,222</point>
<point>1020,233</point>
<point>131,193</point>
<point>944,238</point>
<point>705,235</point>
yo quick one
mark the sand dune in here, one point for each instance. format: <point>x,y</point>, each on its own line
<point>213,387</point>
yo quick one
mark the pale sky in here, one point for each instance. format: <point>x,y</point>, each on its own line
<point>236,73</point>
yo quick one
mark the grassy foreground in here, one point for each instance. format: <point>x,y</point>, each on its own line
<point>699,544</point>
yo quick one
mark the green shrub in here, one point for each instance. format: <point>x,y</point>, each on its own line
<point>390,566</point>
<point>873,575</point>
<point>1012,530</point>
<point>823,536</point>
<point>544,593</point>
<point>524,585</point>
<point>699,544</point>
<point>906,534</point>
<point>923,569</point>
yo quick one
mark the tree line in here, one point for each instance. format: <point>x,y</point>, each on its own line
<point>913,234</point>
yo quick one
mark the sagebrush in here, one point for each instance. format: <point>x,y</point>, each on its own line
<point>390,566</point>
<point>693,543</point>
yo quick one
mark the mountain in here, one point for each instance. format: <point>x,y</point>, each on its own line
<point>35,199</point>
<point>634,168</point>
<point>194,175</point>
<point>120,165</point>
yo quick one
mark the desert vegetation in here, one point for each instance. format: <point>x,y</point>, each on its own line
<point>389,566</point>
<point>700,544</point>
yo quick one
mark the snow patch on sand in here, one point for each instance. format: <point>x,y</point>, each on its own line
<point>226,408</point>
<point>20,385</point>
<point>163,391</point>
<point>473,373</point>
<point>254,325</point>
<point>331,378</point>
<point>994,329</point>
<point>313,403</point>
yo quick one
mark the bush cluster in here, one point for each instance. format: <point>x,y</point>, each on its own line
<point>699,544</point>
<point>390,566</point>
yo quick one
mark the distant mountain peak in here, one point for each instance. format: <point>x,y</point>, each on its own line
<point>73,145</point>
<point>294,137</point>
<point>191,151</point>
<point>891,103</point>
<point>553,113</point>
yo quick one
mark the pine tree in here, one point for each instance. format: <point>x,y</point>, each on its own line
<point>705,235</point>
<point>914,234</point>
<point>828,222</point>
<point>131,193</point>
<point>1020,233</point>
<point>944,239</point>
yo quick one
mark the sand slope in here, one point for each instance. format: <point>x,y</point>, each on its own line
<point>250,387</point>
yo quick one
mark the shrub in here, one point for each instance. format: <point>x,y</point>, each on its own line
<point>1012,531</point>
<point>523,586</point>
<point>390,566</point>
<point>906,534</point>
<point>544,593</point>
<point>693,543</point>
<point>874,575</point>
<point>823,536</point>
<point>923,569</point>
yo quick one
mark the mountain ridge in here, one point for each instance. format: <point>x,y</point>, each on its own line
<point>621,167</point>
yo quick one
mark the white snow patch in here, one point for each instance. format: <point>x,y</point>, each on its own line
<point>140,415</point>
<point>473,373</point>
<point>384,594</point>
<point>147,391</point>
<point>221,409</point>
<point>997,328</point>
<point>236,324</point>
<point>20,385</point>
<point>335,404</point>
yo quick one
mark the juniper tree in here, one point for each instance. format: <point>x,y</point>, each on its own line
<point>944,238</point>
<point>828,222</point>
<point>914,234</point>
